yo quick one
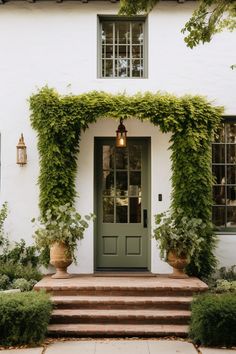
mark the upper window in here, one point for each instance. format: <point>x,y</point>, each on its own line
<point>122,48</point>
<point>224,171</point>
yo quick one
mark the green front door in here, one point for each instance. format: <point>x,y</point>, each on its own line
<point>122,188</point>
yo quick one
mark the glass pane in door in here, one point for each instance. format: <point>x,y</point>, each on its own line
<point>121,210</point>
<point>122,183</point>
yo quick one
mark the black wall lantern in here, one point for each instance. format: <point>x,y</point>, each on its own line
<point>121,135</point>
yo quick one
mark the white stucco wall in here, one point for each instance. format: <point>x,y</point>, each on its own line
<point>56,44</point>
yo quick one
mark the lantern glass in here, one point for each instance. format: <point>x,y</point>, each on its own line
<point>121,140</point>
<point>121,135</point>
<point>21,155</point>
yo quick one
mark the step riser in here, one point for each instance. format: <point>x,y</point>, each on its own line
<point>121,320</point>
<point>104,334</point>
<point>102,306</point>
<point>119,292</point>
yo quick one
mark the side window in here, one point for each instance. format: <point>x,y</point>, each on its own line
<point>224,172</point>
<point>122,48</point>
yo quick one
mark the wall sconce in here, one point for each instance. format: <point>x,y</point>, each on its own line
<point>21,155</point>
<point>121,135</point>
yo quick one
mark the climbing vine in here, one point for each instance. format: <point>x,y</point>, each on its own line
<point>192,120</point>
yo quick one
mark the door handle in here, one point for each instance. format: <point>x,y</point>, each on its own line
<point>145,218</point>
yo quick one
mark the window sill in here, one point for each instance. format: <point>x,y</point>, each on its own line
<point>122,78</point>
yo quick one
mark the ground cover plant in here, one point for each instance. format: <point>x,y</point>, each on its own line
<point>223,280</point>
<point>19,263</point>
<point>24,317</point>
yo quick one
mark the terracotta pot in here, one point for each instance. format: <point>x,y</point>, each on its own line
<point>60,259</point>
<point>178,263</point>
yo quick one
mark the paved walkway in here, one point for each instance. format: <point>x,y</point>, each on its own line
<point>120,347</point>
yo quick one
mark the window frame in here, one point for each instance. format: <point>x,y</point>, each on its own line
<point>113,18</point>
<point>224,231</point>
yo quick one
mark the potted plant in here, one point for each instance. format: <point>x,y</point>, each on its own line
<point>59,230</point>
<point>179,239</point>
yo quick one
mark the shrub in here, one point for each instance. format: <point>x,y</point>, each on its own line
<point>4,282</point>
<point>24,318</point>
<point>222,279</point>
<point>223,285</point>
<point>3,215</point>
<point>213,320</point>
<point>228,273</point>
<point>17,252</point>
<point>22,284</point>
<point>4,243</point>
<point>21,254</point>
<point>15,271</point>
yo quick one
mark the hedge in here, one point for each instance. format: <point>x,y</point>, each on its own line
<point>24,317</point>
<point>213,320</point>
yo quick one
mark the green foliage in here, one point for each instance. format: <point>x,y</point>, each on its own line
<point>223,285</point>
<point>24,318</point>
<point>213,320</point>
<point>222,279</point>
<point>228,273</point>
<point>4,282</point>
<point>17,253</point>
<point>192,120</point>
<point>130,7</point>
<point>176,232</point>
<point>3,216</point>
<point>60,224</point>
<point>23,284</point>
<point>209,18</point>
<point>15,271</point>
<point>206,258</point>
<point>21,254</point>
<point>18,262</point>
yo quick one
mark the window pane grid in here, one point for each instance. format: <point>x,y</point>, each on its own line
<point>122,52</point>
<point>224,171</point>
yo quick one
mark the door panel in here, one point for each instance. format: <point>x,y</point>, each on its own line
<point>122,197</point>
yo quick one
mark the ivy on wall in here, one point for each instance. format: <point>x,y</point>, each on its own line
<point>192,120</point>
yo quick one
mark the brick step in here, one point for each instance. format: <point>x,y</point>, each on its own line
<point>121,291</point>
<point>116,330</point>
<point>86,285</point>
<point>122,302</point>
<point>144,316</point>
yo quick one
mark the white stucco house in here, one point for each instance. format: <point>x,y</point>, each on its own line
<point>81,46</point>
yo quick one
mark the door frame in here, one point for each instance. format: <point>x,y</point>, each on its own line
<point>149,188</point>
